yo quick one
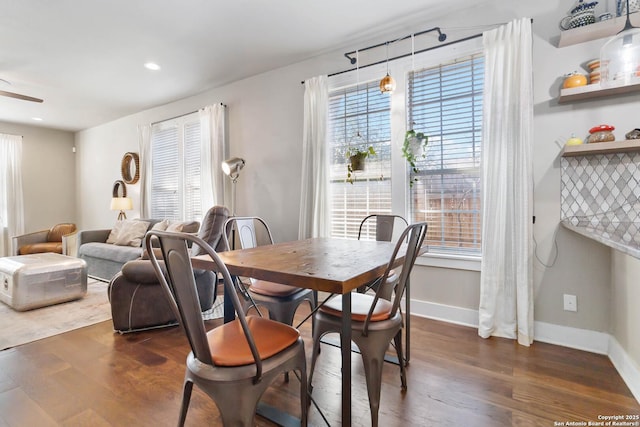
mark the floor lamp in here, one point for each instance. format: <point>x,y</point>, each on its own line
<point>232,167</point>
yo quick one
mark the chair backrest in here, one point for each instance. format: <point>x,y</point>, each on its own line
<point>57,231</point>
<point>247,231</point>
<point>180,289</point>
<point>411,239</point>
<point>212,229</point>
<point>383,225</point>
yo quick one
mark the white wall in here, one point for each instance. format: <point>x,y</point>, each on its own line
<point>265,128</point>
<point>48,178</point>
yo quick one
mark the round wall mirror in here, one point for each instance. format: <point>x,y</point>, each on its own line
<point>130,168</point>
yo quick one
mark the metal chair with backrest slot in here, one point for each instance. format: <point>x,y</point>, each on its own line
<point>383,226</point>
<point>233,363</point>
<point>386,227</point>
<point>375,321</point>
<point>281,301</point>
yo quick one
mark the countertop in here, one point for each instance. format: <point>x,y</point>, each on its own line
<point>624,237</point>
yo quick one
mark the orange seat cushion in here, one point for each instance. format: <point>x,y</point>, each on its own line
<point>360,305</point>
<point>271,289</point>
<point>38,248</point>
<point>229,346</point>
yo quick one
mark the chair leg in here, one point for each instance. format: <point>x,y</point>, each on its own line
<point>186,398</point>
<point>373,363</point>
<point>398,344</point>
<point>314,356</point>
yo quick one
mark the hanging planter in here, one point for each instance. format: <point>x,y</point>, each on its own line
<point>356,161</point>
<point>414,148</point>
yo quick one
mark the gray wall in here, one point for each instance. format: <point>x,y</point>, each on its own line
<point>49,171</point>
<point>265,128</point>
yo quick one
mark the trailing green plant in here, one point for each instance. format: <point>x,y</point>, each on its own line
<point>414,142</point>
<point>357,152</point>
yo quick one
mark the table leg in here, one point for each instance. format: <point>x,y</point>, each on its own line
<point>345,344</point>
<point>229,311</point>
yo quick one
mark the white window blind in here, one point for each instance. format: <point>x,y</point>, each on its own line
<point>175,169</point>
<point>445,102</point>
<point>359,117</point>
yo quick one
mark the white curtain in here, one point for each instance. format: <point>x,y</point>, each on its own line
<point>212,131</point>
<point>11,199</point>
<point>144,141</point>
<point>314,198</point>
<point>506,286</point>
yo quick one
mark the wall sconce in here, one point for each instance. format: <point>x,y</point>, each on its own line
<point>120,201</point>
<point>232,168</point>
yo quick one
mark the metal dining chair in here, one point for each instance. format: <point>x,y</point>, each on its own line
<point>233,363</point>
<point>385,227</point>
<point>280,300</point>
<point>375,321</point>
<point>382,226</point>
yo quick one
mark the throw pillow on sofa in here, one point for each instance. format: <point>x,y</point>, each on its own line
<point>128,233</point>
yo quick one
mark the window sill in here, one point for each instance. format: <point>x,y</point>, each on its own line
<point>456,262</point>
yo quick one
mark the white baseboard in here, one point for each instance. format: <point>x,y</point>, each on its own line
<point>580,339</point>
<point>626,367</point>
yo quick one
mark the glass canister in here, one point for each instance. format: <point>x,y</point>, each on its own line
<point>601,133</point>
<point>620,59</point>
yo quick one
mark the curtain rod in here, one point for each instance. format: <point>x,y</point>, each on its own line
<point>441,37</point>
<point>180,115</point>
<point>475,36</point>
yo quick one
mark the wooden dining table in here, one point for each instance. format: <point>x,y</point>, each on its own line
<point>323,264</point>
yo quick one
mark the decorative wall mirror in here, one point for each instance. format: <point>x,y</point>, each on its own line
<point>119,189</point>
<point>130,168</point>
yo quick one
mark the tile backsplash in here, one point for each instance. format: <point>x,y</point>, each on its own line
<point>603,191</point>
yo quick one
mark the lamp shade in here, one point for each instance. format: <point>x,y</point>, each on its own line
<point>121,204</point>
<point>387,84</point>
<point>232,166</point>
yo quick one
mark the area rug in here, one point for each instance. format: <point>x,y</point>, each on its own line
<point>23,327</point>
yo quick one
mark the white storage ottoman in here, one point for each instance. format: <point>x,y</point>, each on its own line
<point>38,280</point>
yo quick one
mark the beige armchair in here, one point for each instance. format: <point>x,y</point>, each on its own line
<point>61,238</point>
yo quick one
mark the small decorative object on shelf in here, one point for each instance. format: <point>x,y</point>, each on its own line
<point>594,71</point>
<point>633,134</point>
<point>574,79</point>
<point>574,140</point>
<point>581,15</point>
<point>601,133</point>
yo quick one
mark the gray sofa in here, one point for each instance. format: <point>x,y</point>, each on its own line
<point>104,260</point>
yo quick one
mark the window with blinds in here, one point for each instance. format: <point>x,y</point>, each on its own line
<point>175,169</point>
<point>359,117</point>
<point>445,102</point>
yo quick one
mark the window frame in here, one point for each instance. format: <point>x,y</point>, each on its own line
<point>183,124</point>
<point>399,69</point>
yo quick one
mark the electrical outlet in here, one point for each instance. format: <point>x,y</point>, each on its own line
<point>570,302</point>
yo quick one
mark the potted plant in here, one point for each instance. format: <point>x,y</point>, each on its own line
<point>356,158</point>
<point>414,147</point>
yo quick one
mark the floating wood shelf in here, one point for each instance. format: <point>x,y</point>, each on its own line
<point>596,31</point>
<point>601,148</point>
<point>584,93</point>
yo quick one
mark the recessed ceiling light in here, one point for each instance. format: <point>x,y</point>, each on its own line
<point>37,119</point>
<point>152,66</point>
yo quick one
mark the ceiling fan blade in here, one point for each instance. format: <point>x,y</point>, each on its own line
<point>18,96</point>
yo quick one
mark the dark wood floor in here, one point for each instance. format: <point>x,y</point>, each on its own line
<point>93,377</point>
